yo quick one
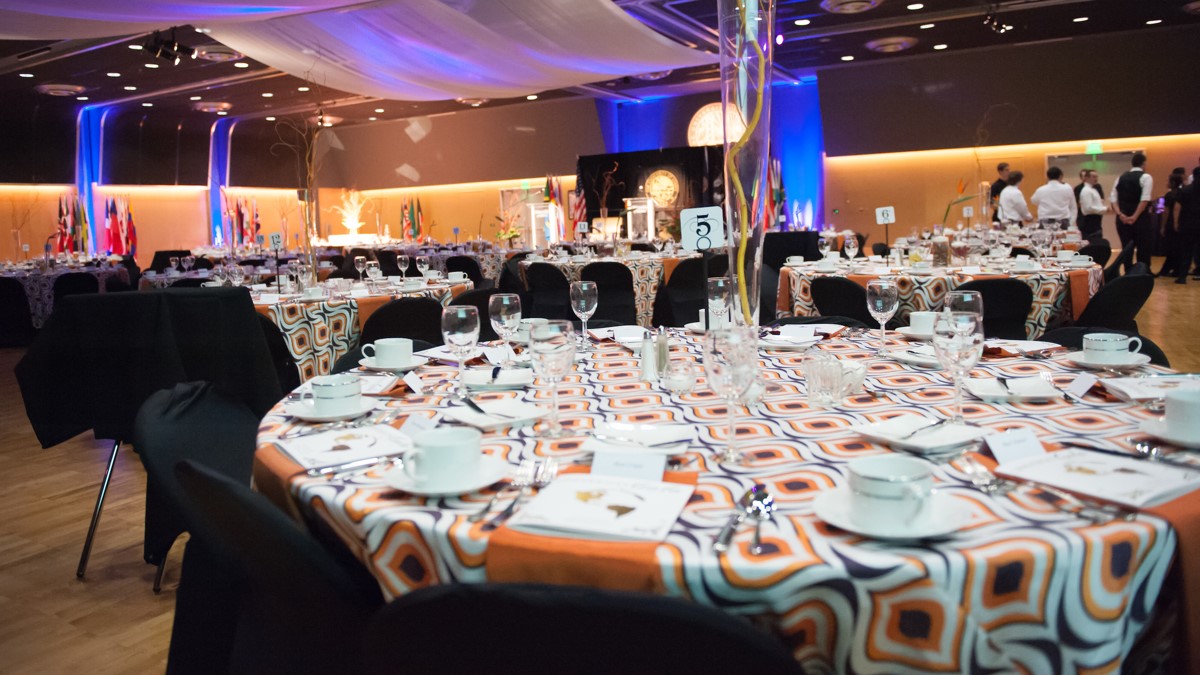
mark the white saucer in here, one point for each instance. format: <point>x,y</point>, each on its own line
<point>935,440</point>
<point>780,342</point>
<point>918,272</point>
<point>1021,346</point>
<point>1079,265</point>
<point>369,363</point>
<point>916,356</point>
<point>305,412</point>
<point>1135,360</point>
<point>1157,427</point>
<point>482,380</point>
<point>946,516</point>
<point>490,470</point>
<point>911,334</point>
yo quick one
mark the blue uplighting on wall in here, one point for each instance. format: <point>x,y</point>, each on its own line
<point>89,147</point>
<point>218,175</point>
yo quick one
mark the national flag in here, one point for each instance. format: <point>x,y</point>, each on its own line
<point>116,230</point>
<point>406,226</point>
<point>257,222</point>
<point>578,209</point>
<point>420,218</point>
<point>412,219</point>
<point>82,231</point>
<point>130,233</point>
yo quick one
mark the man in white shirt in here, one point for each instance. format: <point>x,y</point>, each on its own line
<point>1091,207</point>
<point>1131,197</point>
<point>1012,202</point>
<point>1055,201</point>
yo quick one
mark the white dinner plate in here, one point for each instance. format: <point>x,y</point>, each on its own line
<point>1020,389</point>
<point>782,342</point>
<point>1021,346</point>
<point>896,431</point>
<point>303,411</point>
<point>491,470</point>
<point>1135,360</point>
<point>1079,265</point>
<point>945,515</point>
<point>1157,427</point>
<point>911,334</point>
<point>922,356</point>
<point>369,363</point>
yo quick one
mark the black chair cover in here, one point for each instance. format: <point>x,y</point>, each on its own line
<point>1100,251</point>
<point>416,318</point>
<point>1020,250</point>
<point>1118,302</point>
<point>718,264</point>
<point>510,275</point>
<point>281,359</point>
<point>779,246</point>
<point>641,246</point>
<point>577,630</point>
<point>838,296</point>
<point>614,286</point>
<point>1072,337</point>
<point>344,273</point>
<point>880,248</point>
<point>1006,306</point>
<point>162,259</point>
<point>1123,259</point>
<point>189,283</point>
<point>16,319</point>
<point>549,293</point>
<point>387,263</point>
<point>75,283</point>
<point>680,300</point>
<point>203,263</point>
<point>479,299</point>
<point>115,285</point>
<point>303,611</point>
<point>130,265</point>
<point>99,357</point>
<point>768,294</point>
<point>469,266</point>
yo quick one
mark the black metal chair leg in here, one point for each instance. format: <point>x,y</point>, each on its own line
<point>158,574</point>
<point>87,543</point>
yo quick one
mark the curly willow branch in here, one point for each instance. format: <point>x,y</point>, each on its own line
<point>731,166</point>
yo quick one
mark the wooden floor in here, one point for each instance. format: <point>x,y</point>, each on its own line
<point>51,622</point>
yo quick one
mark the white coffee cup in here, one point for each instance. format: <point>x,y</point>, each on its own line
<point>795,259</point>
<point>442,458</point>
<point>921,323</point>
<point>457,276</point>
<point>433,274</point>
<point>833,255</point>
<point>390,352</point>
<point>1081,260</point>
<point>335,394</point>
<point>1066,255</point>
<point>526,325</point>
<point>1109,347</point>
<point>1183,414</point>
<point>412,283</point>
<point>889,492</point>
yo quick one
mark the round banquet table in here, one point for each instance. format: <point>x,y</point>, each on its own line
<point>318,332</point>
<point>1023,587</point>
<point>649,272</point>
<point>39,285</point>
<point>491,263</point>
<point>1057,292</point>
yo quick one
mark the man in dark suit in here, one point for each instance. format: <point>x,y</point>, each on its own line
<point>998,187</point>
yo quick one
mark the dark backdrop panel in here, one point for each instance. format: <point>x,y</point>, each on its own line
<point>147,147</point>
<point>261,154</point>
<point>697,169</point>
<point>1109,86</point>
<point>37,137</point>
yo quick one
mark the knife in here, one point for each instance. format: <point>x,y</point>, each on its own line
<point>1130,455</point>
<point>326,469</point>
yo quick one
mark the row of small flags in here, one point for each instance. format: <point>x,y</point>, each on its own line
<point>118,236</point>
<point>119,231</point>
<point>412,218</point>
<point>73,232</point>
<point>553,194</point>
<point>245,222</point>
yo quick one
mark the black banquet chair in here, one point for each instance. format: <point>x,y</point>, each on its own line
<point>188,421</point>
<point>579,630</point>
<point>1123,259</point>
<point>685,293</point>
<point>549,292</point>
<point>838,296</point>
<point>281,359</point>
<point>1072,337</point>
<point>469,266</point>
<point>162,259</point>
<point>479,299</point>
<point>779,246</point>
<point>614,287</point>
<point>510,274</point>
<point>75,283</point>
<point>1006,306</point>
<point>416,318</point>
<point>16,319</point>
<point>387,263</point>
<point>1118,302</point>
<point>1099,250</point>
<point>839,320</point>
<point>302,609</point>
<point>191,282</point>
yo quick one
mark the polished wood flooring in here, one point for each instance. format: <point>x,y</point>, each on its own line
<point>111,622</point>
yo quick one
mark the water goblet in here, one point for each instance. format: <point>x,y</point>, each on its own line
<point>958,343</point>
<point>822,244</point>
<point>189,261</point>
<point>850,245</point>
<point>402,263</point>
<point>360,264</point>
<point>883,299</point>
<point>460,331</point>
<point>235,274</point>
<point>374,272</point>
<point>504,312</point>
<point>552,353</point>
<point>585,297</point>
<point>719,292</point>
<point>731,367</point>
<point>422,264</point>
<point>965,301</point>
<point>173,261</point>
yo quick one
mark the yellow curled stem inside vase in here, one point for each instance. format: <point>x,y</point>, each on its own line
<point>730,163</point>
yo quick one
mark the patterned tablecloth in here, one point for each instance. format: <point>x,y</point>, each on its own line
<point>1056,293</point>
<point>1023,588</point>
<point>648,272</point>
<point>491,263</point>
<point>317,334</point>
<point>39,286</point>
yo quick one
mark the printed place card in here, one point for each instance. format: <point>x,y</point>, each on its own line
<point>645,466</point>
<point>1080,385</point>
<point>1014,445</point>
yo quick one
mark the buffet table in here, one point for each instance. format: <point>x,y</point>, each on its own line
<point>1023,586</point>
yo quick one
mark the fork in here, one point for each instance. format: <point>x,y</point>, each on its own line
<point>543,473</point>
<point>523,479</point>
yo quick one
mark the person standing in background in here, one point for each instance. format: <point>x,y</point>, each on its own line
<point>1079,188</point>
<point>1186,214</point>
<point>1131,200</point>
<point>1012,205</point>
<point>1055,201</point>
<point>1091,208</point>
<point>1166,224</point>
<point>998,186</point>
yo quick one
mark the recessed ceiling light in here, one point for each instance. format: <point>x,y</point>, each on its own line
<point>81,98</point>
<point>114,74</point>
<point>372,119</point>
<point>847,58</point>
<point>135,47</point>
<point>26,75</point>
<point>1079,19</point>
<point>531,97</point>
<point>1153,22</point>
<point>130,87</point>
<point>147,105</point>
<point>222,112</point>
<point>267,94</point>
<point>241,64</point>
<point>270,119</point>
<point>151,66</point>
<point>193,98</point>
<point>802,22</point>
<point>926,26</point>
<point>301,88</point>
<point>379,110</point>
<point>915,6</point>
<point>779,39</point>
<point>940,47</point>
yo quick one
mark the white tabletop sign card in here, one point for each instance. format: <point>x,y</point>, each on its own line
<point>885,215</point>
<point>702,228</point>
<point>968,211</point>
<point>276,241</point>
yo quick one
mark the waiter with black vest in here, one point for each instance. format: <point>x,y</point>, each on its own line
<point>1131,197</point>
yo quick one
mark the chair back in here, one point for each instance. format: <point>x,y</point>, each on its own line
<point>718,264</point>
<point>75,283</point>
<point>1117,303</point>
<point>1100,251</point>
<point>387,263</point>
<point>779,246</point>
<point>838,296</point>
<point>416,318</point>
<point>510,274</point>
<point>203,263</point>
<point>680,300</point>
<point>304,611</point>
<point>467,265</point>
<point>16,328</point>
<point>1021,250</point>
<point>881,249</point>
<point>162,259</point>
<point>1072,338</point>
<point>549,292</point>
<point>642,246</point>
<point>839,320</point>
<point>281,358</point>
<point>479,299</point>
<point>1124,258</point>
<point>1006,306</point>
<point>579,630</point>
<point>614,287</point>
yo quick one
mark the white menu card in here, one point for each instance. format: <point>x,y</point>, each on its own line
<point>604,507</point>
<point>1130,482</point>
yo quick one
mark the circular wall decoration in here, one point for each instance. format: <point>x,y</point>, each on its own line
<point>705,127</point>
<point>663,187</point>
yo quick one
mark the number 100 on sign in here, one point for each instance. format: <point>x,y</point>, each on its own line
<point>702,228</point>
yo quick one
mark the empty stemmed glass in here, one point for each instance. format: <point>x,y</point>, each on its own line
<point>402,263</point>
<point>584,299</point>
<point>360,264</point>
<point>731,367</point>
<point>965,301</point>
<point>422,264</point>
<point>718,302</point>
<point>189,261</point>
<point>374,272</point>
<point>883,298</point>
<point>958,343</point>
<point>235,274</point>
<point>460,331</point>
<point>850,245</point>
<point>822,244</point>
<point>552,353</point>
<point>174,262</point>
<point>504,311</point>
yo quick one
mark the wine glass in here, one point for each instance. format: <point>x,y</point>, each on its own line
<point>822,244</point>
<point>718,302</point>
<point>584,299</point>
<point>850,245</point>
<point>504,311</point>
<point>883,298</point>
<point>965,301</point>
<point>374,273</point>
<point>730,365</point>
<point>422,264</point>
<point>552,353</point>
<point>402,263</point>
<point>189,261</point>
<point>958,343</point>
<point>360,264</point>
<point>174,262</point>
<point>460,331</point>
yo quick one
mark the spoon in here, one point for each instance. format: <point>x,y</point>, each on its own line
<point>744,505</point>
<point>762,508</point>
<point>1004,383</point>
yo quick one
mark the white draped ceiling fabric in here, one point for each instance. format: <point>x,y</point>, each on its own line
<point>413,50</point>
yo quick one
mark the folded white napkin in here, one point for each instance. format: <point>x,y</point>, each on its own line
<point>499,414</point>
<point>504,379</point>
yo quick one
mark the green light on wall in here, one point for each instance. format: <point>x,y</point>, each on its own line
<point>1094,148</point>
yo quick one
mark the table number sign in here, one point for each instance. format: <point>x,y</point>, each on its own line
<point>885,215</point>
<point>702,228</point>
<point>276,241</point>
<point>968,211</point>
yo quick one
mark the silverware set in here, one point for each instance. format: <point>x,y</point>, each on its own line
<point>379,417</point>
<point>987,482</point>
<point>756,503</point>
<point>529,475</point>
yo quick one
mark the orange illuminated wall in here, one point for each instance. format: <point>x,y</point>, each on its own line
<point>28,214</point>
<point>920,184</point>
<point>166,216</point>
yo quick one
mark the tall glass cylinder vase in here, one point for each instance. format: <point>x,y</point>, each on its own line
<point>747,39</point>
<point>308,214</point>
